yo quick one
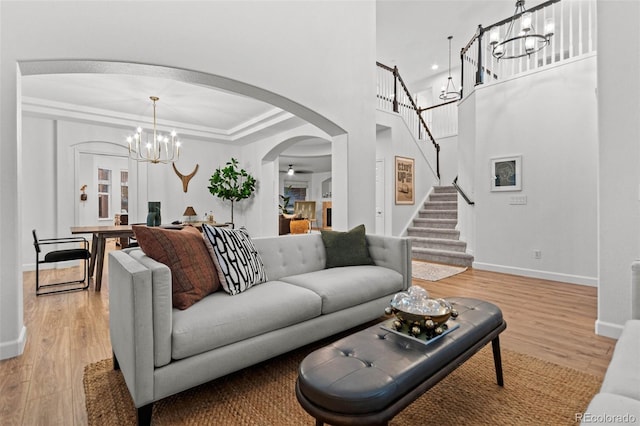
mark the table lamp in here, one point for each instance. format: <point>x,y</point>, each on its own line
<point>190,214</point>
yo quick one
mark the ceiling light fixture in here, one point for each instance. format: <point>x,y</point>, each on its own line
<point>158,148</point>
<point>449,92</point>
<point>525,42</point>
<point>290,172</point>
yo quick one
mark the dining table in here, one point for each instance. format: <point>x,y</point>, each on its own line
<point>98,243</point>
<point>102,232</point>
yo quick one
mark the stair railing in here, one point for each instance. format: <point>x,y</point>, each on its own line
<point>401,101</point>
<point>574,35</point>
<point>442,118</point>
<point>461,192</point>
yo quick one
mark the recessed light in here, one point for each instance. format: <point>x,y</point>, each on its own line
<point>434,66</point>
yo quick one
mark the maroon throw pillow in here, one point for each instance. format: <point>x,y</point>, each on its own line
<point>193,274</point>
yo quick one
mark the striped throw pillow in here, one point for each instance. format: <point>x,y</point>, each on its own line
<point>238,262</point>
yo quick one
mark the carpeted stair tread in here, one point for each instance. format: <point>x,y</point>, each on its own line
<point>438,214</point>
<point>442,256</point>
<point>438,244</point>
<point>443,197</point>
<point>435,223</point>
<point>441,205</point>
<point>447,234</point>
<point>444,189</point>
<point>433,233</point>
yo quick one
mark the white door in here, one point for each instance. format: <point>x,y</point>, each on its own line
<point>380,230</point>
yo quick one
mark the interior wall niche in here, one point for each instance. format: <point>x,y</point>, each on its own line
<point>326,188</point>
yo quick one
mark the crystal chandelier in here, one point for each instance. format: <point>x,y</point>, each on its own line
<point>449,92</point>
<point>525,42</point>
<point>156,148</point>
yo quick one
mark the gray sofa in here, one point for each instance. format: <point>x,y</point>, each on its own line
<point>162,351</point>
<point>618,401</point>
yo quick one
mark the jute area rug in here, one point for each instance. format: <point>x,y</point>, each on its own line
<point>536,392</point>
<point>433,271</point>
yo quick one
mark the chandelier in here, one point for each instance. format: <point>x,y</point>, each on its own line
<point>449,92</point>
<point>526,42</point>
<point>153,148</point>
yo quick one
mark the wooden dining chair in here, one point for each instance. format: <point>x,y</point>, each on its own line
<point>64,255</point>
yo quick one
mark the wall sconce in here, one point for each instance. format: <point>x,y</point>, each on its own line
<point>83,196</point>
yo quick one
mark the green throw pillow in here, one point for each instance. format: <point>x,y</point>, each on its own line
<point>346,248</point>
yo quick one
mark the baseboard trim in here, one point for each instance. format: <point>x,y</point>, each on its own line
<point>532,273</point>
<point>15,347</point>
<point>608,329</point>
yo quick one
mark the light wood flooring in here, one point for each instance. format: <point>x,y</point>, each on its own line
<point>547,320</point>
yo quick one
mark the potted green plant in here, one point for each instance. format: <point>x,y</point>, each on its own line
<point>285,202</point>
<point>285,214</point>
<point>232,183</point>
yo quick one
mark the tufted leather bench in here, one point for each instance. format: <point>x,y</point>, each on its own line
<point>369,377</point>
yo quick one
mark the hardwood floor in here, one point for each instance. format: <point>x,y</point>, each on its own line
<point>68,331</point>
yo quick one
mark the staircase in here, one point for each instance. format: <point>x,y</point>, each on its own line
<point>433,234</point>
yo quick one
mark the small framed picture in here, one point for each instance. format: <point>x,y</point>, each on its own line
<point>506,173</point>
<point>405,180</point>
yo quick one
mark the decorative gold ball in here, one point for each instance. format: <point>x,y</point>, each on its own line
<point>439,330</point>
<point>397,325</point>
<point>454,313</point>
<point>429,324</point>
<point>415,330</point>
<point>388,310</point>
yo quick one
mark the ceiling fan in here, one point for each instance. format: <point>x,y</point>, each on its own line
<point>292,172</point>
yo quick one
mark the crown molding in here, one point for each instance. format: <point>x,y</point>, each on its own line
<point>38,107</point>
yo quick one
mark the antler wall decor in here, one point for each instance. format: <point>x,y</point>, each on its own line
<point>185,178</point>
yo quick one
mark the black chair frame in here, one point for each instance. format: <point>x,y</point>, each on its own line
<point>62,256</point>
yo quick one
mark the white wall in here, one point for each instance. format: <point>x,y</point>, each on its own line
<point>550,119</point>
<point>619,157</point>
<point>394,139</point>
<point>448,159</point>
<point>38,209</point>
<point>467,170</point>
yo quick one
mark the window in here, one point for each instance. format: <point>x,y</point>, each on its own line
<point>104,192</point>
<point>124,191</point>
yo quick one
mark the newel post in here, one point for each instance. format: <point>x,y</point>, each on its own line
<point>395,88</point>
<point>479,69</point>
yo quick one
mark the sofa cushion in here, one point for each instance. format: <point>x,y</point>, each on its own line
<point>193,273</point>
<point>219,319</point>
<point>291,254</point>
<point>238,262</point>
<point>623,373</point>
<point>342,288</point>
<point>607,408</point>
<point>346,248</point>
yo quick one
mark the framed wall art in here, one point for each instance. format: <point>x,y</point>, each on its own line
<point>506,173</point>
<point>405,180</point>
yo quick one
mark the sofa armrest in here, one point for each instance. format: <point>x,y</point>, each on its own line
<point>131,324</point>
<point>393,253</point>
<point>635,290</point>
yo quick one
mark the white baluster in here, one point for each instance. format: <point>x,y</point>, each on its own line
<point>571,17</point>
<point>562,26</point>
<point>580,33</point>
